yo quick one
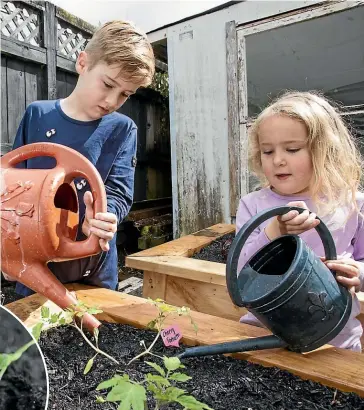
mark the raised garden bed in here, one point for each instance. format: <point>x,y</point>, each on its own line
<point>190,271</point>
<point>221,382</point>
<point>23,386</point>
<point>335,368</point>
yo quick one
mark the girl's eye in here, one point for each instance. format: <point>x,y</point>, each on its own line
<point>267,152</point>
<point>126,95</point>
<point>293,150</point>
<point>107,85</point>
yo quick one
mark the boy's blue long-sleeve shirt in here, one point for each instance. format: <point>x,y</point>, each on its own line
<point>110,144</point>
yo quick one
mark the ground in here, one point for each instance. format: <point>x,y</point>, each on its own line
<point>221,382</point>
<point>24,384</point>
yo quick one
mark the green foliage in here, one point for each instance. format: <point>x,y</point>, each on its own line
<point>70,316</point>
<point>160,84</point>
<point>6,359</point>
<point>133,395</point>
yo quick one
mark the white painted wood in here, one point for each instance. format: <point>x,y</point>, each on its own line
<point>296,16</point>
<point>199,112</point>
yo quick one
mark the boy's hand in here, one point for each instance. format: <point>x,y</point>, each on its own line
<point>348,272</point>
<point>292,223</point>
<point>104,225</point>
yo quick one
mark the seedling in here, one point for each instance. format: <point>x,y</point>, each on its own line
<point>6,359</point>
<point>133,395</point>
<point>71,316</point>
<point>164,310</point>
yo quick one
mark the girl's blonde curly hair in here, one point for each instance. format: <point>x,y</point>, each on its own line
<point>337,163</point>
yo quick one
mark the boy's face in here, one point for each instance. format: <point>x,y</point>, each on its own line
<point>101,88</point>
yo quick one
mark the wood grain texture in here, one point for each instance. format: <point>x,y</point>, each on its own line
<point>338,368</point>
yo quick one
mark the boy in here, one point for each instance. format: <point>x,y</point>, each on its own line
<point>116,62</point>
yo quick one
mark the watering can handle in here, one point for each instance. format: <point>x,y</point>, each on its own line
<point>73,164</point>
<point>246,231</point>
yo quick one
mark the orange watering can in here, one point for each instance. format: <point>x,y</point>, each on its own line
<point>39,218</point>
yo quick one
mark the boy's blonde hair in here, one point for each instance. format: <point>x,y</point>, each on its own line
<point>121,43</point>
<point>337,163</point>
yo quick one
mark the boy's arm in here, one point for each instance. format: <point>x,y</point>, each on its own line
<point>256,240</point>
<point>119,184</point>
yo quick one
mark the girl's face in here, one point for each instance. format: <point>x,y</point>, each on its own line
<point>286,159</point>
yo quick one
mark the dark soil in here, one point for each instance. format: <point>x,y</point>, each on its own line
<point>217,251</point>
<point>24,384</point>
<point>7,291</point>
<point>221,382</point>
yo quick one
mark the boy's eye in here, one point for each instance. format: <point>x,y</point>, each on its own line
<point>126,95</point>
<point>107,85</point>
<point>267,152</point>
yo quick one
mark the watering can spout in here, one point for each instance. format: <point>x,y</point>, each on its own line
<point>258,343</point>
<point>39,278</point>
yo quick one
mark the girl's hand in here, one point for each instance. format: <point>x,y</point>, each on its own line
<point>292,223</point>
<point>347,272</point>
<point>104,225</point>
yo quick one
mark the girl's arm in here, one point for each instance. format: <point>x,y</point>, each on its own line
<point>358,254</point>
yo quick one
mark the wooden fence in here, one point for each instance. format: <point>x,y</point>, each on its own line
<point>39,46</point>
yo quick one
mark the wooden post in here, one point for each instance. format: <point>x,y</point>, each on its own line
<point>51,45</point>
<point>233,116</point>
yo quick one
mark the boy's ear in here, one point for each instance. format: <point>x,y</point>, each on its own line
<point>82,62</point>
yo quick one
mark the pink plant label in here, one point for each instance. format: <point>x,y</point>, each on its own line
<point>171,336</point>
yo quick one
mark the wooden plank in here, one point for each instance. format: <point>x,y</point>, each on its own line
<point>243,115</point>
<point>4,104</point>
<point>24,51</point>
<point>201,297</point>
<point>66,64</point>
<point>61,84</point>
<point>154,285</point>
<point>51,45</point>
<point>16,96</point>
<point>337,368</point>
<point>190,244</point>
<point>31,83</point>
<point>299,15</point>
<point>185,268</point>
<point>233,116</point>
<point>71,81</point>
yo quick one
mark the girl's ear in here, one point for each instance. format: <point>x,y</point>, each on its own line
<point>82,63</point>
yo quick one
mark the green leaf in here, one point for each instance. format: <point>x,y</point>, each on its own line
<point>130,395</point>
<point>89,365</point>
<point>151,324</point>
<point>54,318</point>
<point>171,363</point>
<point>180,377</point>
<point>36,331</point>
<point>100,399</point>
<point>157,368</point>
<point>62,321</point>
<point>44,312</point>
<point>190,403</point>
<point>94,311</point>
<point>157,379</point>
<point>172,393</point>
<point>112,382</point>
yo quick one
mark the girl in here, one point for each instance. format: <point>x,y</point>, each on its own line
<point>305,156</point>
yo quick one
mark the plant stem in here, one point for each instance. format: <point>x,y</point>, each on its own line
<point>147,351</point>
<point>94,347</point>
